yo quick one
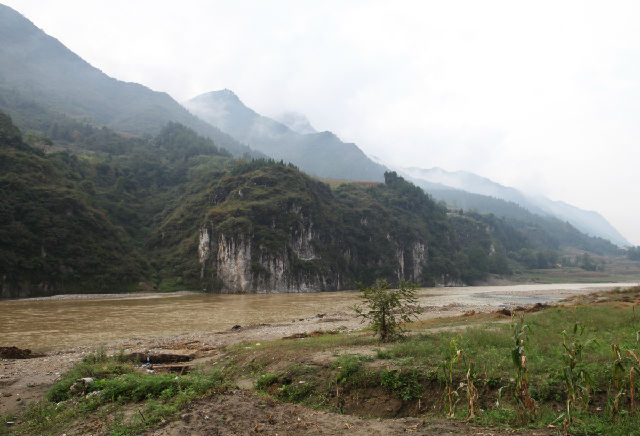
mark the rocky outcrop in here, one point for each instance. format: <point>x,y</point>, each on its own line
<point>419,257</point>
<point>240,264</point>
<point>233,263</point>
<point>271,230</point>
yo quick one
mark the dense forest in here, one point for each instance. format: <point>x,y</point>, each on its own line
<point>86,209</point>
<point>111,186</point>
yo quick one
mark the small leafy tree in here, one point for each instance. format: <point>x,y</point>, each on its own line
<point>386,308</point>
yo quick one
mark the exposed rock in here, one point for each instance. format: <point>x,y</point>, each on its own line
<point>81,385</point>
<point>147,286</point>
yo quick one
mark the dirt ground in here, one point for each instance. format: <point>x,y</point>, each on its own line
<point>242,411</point>
<point>245,413</point>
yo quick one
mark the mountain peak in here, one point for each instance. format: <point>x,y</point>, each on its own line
<point>225,94</point>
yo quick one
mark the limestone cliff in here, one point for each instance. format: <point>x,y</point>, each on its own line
<point>270,228</point>
<point>308,238</point>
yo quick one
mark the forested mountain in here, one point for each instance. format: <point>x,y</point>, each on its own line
<point>177,211</point>
<point>51,235</point>
<point>542,231</point>
<point>320,154</point>
<point>42,81</point>
<point>114,184</point>
<point>439,182</point>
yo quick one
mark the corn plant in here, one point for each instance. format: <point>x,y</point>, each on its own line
<point>635,368</point>
<point>451,397</point>
<point>618,372</point>
<point>524,402</point>
<point>472,391</point>
<point>576,378</point>
<point>451,394</point>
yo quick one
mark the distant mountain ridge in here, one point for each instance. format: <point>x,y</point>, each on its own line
<point>320,154</point>
<point>38,74</point>
<point>43,83</point>
<point>589,222</point>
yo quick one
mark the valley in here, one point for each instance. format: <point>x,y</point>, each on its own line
<point>178,268</point>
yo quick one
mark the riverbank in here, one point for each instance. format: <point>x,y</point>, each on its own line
<point>53,325</point>
<point>285,378</point>
<point>27,380</point>
<point>141,294</point>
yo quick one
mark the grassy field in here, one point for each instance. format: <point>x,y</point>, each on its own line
<point>568,369</point>
<point>616,269</point>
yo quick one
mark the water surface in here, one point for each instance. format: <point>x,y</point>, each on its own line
<point>44,325</point>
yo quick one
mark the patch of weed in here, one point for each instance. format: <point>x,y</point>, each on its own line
<point>405,384</point>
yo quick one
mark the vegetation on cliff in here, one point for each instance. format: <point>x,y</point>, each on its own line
<point>51,236</point>
<point>96,210</point>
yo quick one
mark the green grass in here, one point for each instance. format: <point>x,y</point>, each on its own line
<point>117,385</point>
<point>410,370</point>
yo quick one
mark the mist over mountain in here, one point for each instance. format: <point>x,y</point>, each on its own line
<point>438,180</point>
<point>296,122</point>
<point>41,80</point>
<point>321,154</point>
<point>113,184</point>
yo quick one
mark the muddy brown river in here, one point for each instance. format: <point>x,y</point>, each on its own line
<point>51,324</point>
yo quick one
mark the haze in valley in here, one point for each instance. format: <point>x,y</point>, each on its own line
<point>541,96</point>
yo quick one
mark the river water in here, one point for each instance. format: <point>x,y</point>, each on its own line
<point>50,324</point>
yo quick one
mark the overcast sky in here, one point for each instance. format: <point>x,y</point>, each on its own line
<point>542,96</point>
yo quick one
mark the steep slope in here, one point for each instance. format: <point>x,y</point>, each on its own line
<point>589,222</point>
<point>541,232</point>
<point>320,154</point>
<point>296,122</point>
<point>51,237</point>
<point>80,222</point>
<point>40,77</point>
<point>267,227</point>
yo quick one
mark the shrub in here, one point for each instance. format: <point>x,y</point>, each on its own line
<point>386,308</point>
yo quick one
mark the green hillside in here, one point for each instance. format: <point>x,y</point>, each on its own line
<point>52,239</point>
<point>96,210</point>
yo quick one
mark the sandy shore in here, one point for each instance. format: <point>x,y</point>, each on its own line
<point>63,297</point>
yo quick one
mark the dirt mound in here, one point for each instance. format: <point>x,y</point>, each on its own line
<point>512,311</point>
<point>158,358</point>
<point>17,353</point>
<point>245,413</point>
<point>313,333</point>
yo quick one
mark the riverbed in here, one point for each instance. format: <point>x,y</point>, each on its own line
<point>44,325</point>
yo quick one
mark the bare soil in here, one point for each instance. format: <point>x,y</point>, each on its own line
<point>245,413</point>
